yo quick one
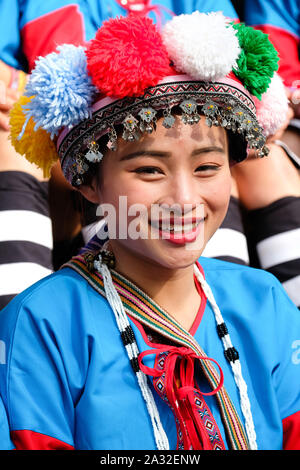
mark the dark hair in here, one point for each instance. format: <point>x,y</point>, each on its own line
<point>237,146</point>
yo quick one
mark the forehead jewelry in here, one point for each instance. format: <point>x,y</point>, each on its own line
<point>93,155</point>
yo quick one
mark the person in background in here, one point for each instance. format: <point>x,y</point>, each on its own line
<point>25,224</point>
<point>29,29</point>
<point>273,213</point>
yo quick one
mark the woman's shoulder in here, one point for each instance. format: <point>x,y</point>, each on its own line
<point>215,267</point>
<point>249,291</point>
<point>62,294</point>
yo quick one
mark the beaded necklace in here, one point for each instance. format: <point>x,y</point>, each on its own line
<point>117,291</point>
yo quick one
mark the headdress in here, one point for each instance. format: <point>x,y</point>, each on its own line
<point>132,72</point>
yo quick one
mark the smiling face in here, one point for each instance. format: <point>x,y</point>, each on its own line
<point>185,168</point>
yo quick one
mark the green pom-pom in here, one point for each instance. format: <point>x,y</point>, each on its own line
<point>258,60</point>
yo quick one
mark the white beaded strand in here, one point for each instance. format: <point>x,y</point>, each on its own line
<point>133,352</point>
<point>235,365</point>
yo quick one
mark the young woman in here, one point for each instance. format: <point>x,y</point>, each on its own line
<point>138,342</point>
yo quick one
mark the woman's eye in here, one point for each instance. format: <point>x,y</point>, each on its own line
<point>207,168</point>
<point>149,170</point>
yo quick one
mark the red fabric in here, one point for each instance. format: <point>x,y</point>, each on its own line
<point>180,386</point>
<point>200,313</point>
<point>291,432</point>
<point>196,322</point>
<point>287,46</point>
<point>30,440</point>
<point>42,35</point>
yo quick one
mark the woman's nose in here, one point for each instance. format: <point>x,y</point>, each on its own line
<point>182,190</point>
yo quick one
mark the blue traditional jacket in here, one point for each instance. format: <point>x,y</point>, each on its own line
<point>66,381</point>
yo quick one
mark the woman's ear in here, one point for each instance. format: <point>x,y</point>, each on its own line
<point>90,191</point>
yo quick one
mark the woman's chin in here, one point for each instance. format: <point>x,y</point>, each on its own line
<point>172,256</point>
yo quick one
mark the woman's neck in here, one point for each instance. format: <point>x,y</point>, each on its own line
<point>173,289</point>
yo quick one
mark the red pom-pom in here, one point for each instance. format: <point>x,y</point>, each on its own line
<point>127,56</point>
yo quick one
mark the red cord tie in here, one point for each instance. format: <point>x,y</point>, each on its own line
<point>183,392</point>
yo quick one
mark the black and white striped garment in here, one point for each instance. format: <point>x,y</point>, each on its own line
<point>25,233</point>
<point>274,242</point>
<point>229,242</point>
<point>295,159</point>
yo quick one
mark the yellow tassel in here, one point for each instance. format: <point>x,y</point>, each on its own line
<point>36,146</point>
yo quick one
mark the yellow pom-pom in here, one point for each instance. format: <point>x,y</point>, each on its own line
<point>36,146</point>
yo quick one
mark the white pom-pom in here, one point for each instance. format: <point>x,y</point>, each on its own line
<point>202,45</point>
<point>272,109</point>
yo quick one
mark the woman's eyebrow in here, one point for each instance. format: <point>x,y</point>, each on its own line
<point>211,148</point>
<point>145,153</point>
<point>158,153</point>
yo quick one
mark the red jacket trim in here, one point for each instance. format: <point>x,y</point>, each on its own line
<point>291,432</point>
<point>30,440</point>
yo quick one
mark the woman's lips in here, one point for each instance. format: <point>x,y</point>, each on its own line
<point>178,231</point>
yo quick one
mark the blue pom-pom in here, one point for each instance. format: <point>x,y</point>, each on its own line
<point>62,90</point>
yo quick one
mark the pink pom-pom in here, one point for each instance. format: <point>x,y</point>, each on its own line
<point>272,109</point>
<point>127,56</point>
